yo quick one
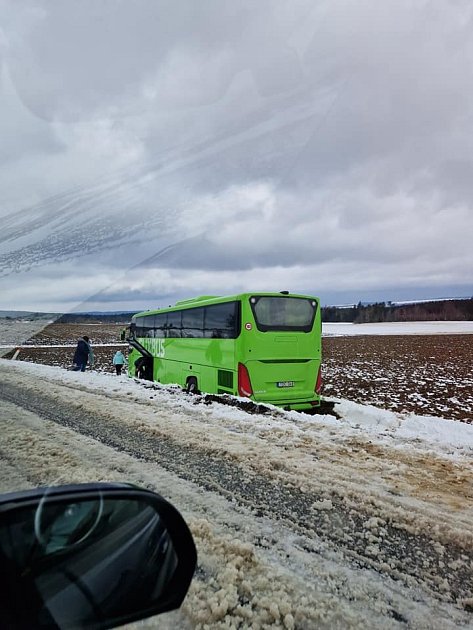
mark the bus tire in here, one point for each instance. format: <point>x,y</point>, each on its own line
<point>191,385</point>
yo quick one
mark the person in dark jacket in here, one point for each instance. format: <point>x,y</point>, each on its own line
<point>83,354</point>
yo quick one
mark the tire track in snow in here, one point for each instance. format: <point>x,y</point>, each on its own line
<point>250,574</point>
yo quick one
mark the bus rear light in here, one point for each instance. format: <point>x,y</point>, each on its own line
<point>318,382</point>
<point>244,384</point>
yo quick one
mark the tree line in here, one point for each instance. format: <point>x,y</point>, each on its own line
<point>95,318</point>
<point>438,310</point>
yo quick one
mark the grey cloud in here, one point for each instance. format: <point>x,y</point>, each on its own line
<point>74,59</point>
<point>230,137</point>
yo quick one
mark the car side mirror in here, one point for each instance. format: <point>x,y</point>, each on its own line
<point>91,555</point>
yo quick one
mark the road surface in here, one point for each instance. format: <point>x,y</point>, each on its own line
<point>298,522</point>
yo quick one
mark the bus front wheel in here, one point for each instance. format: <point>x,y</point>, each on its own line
<point>191,385</point>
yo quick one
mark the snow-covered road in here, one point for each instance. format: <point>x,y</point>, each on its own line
<point>300,521</point>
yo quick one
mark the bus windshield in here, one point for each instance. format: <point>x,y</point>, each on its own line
<point>283,313</point>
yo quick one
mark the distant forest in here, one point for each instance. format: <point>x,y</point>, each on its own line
<point>93,318</point>
<point>446,310</point>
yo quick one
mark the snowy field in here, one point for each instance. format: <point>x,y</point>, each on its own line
<point>300,521</point>
<point>398,328</point>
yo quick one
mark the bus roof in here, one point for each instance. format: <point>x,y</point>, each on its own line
<point>201,298</point>
<point>215,299</point>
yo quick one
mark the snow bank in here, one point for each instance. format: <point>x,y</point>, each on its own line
<point>431,430</point>
<point>377,424</point>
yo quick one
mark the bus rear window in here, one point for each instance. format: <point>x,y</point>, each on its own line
<point>283,313</point>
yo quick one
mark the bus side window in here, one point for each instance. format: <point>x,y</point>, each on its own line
<point>193,323</point>
<point>221,320</point>
<point>214,333</point>
<point>148,326</point>
<point>174,324</point>
<point>160,324</point>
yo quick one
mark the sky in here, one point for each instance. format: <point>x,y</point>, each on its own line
<point>153,150</point>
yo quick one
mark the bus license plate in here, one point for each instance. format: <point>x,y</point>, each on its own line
<point>286,384</point>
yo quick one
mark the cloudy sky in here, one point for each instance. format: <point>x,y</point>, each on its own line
<point>152,150</point>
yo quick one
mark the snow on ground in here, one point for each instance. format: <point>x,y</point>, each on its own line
<point>406,482</point>
<point>379,424</point>
<point>397,328</point>
<point>430,431</point>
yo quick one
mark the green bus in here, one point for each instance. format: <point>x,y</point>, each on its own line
<point>262,346</point>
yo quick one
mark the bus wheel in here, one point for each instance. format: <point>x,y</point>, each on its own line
<point>191,385</point>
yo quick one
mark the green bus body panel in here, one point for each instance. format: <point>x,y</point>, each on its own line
<point>273,357</point>
<point>289,358</point>
<point>191,357</point>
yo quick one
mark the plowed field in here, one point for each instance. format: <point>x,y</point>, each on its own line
<point>424,374</point>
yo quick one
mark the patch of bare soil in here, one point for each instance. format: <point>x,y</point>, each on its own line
<point>45,346</point>
<point>423,374</point>
<point>58,333</point>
